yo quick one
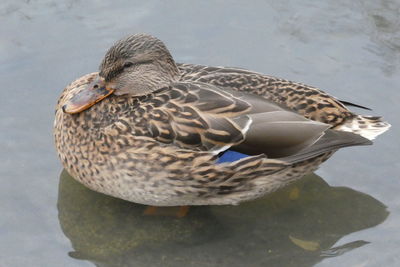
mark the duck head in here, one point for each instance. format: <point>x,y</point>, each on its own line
<point>136,65</point>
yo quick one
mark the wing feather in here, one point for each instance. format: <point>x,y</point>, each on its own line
<point>198,116</point>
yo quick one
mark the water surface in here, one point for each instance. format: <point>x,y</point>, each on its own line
<point>347,215</point>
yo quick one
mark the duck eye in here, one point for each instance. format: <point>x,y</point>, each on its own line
<point>128,65</point>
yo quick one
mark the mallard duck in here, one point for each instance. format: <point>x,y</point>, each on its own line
<point>151,131</point>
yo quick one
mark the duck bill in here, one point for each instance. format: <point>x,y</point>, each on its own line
<point>92,94</point>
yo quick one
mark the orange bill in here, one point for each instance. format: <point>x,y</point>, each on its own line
<point>93,93</point>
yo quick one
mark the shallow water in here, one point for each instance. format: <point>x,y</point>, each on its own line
<point>346,215</point>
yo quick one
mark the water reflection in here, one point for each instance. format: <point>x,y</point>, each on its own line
<point>296,226</point>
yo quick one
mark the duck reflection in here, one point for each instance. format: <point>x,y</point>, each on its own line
<point>296,226</point>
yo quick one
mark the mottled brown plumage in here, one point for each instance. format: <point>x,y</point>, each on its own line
<point>157,140</point>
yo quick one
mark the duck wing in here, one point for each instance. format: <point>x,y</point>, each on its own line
<point>204,117</point>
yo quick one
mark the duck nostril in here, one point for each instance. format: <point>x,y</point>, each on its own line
<point>95,86</point>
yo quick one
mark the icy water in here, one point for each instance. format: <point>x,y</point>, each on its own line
<point>347,214</point>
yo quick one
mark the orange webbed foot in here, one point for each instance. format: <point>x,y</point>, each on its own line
<point>179,212</point>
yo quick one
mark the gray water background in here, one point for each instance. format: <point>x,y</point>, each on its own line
<point>351,49</point>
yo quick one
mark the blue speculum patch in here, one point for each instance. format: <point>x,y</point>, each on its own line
<point>230,156</point>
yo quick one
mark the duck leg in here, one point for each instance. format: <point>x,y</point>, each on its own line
<point>179,212</point>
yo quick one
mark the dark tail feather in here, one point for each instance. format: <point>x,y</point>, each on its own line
<point>353,105</point>
<point>332,140</point>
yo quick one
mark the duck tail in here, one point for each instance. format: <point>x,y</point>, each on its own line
<point>366,126</point>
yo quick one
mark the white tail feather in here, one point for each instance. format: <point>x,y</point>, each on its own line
<point>366,126</point>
